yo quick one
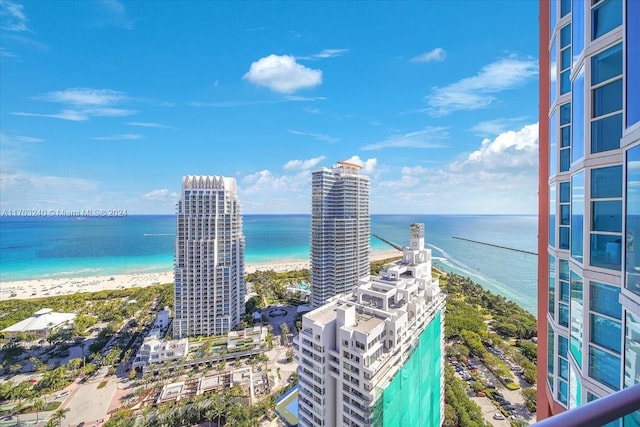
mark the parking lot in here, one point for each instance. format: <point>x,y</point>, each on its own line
<point>495,395</point>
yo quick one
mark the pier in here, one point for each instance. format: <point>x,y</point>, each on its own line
<point>496,246</point>
<point>398,247</point>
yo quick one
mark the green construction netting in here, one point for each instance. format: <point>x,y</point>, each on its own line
<point>413,397</point>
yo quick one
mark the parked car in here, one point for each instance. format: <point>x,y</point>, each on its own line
<point>498,416</point>
<point>480,394</point>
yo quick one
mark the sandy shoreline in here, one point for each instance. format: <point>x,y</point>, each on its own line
<point>37,288</point>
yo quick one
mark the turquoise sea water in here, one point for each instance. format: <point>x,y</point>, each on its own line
<point>38,248</point>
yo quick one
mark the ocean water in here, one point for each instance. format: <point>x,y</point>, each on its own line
<point>46,247</point>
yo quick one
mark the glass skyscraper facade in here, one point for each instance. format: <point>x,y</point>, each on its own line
<point>589,207</point>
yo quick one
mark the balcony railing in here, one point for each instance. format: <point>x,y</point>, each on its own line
<point>599,412</point>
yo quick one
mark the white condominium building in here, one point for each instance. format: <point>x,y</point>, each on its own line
<point>209,264</point>
<point>374,356</point>
<point>340,230</point>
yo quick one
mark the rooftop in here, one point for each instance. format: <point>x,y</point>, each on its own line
<point>44,319</point>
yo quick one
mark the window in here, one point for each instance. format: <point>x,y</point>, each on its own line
<point>575,389</point>
<point>550,355</point>
<point>577,215</point>
<point>565,59</point>
<point>606,217</point>
<point>565,7</point>
<point>632,45</point>
<point>576,309</point>
<point>605,16</point>
<point>565,137</point>
<point>606,94</point>
<point>603,299</point>
<point>578,18</point>
<point>552,215</point>
<point>606,333</point>
<point>553,72</point>
<point>563,392</point>
<point>553,145</point>
<point>565,215</point>
<point>632,214</point>
<point>632,350</point>
<point>563,315</point>
<point>604,367</point>
<point>552,285</point>
<point>577,117</point>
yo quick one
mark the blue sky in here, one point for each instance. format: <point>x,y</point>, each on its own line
<point>108,104</point>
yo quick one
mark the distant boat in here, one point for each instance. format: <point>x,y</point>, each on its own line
<point>81,217</point>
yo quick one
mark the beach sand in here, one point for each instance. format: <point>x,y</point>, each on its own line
<point>37,288</point>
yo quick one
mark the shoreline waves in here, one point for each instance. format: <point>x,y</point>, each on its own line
<point>47,287</point>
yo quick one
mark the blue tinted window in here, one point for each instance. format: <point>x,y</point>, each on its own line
<point>578,18</point>
<point>576,309</point>
<point>553,70</point>
<point>550,355</point>
<point>552,215</point>
<point>563,346</point>
<point>577,215</point>
<point>564,270</point>
<point>565,136</point>
<point>605,17</point>
<point>565,36</point>
<point>577,117</point>
<point>606,251</point>
<point>564,237</point>
<point>606,333</point>
<point>565,59</point>
<point>563,392</point>
<point>606,64</point>
<point>564,215</point>
<point>607,98</point>
<point>552,285</point>
<point>553,145</point>
<point>565,192</point>
<point>632,349</point>
<point>606,133</point>
<point>607,216</point>
<point>564,291</point>
<point>590,398</point>
<point>632,214</point>
<point>563,315</point>
<point>604,367</point>
<point>604,299</point>
<point>565,7</point>
<point>632,45</point>
<point>565,114</point>
<point>606,182</point>
<point>565,82</point>
<point>563,369</point>
<point>565,160</point>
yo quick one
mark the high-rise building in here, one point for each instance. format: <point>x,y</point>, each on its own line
<point>340,230</point>
<point>209,265</point>
<point>374,357</point>
<point>589,206</point>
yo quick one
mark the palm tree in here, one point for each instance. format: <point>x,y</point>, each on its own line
<point>38,405</point>
<point>219,405</point>
<point>56,418</point>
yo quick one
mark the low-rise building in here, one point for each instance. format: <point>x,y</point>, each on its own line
<point>156,350</point>
<point>42,324</point>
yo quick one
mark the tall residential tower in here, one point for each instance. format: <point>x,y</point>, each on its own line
<point>589,207</point>
<point>374,357</point>
<point>340,230</point>
<point>209,265</point>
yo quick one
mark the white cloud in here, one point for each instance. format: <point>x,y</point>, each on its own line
<point>326,53</point>
<point>281,73</point>
<point>120,137</point>
<point>162,194</point>
<point>495,126</point>
<point>115,14</point>
<point>83,103</point>
<point>317,136</point>
<point>429,137</point>
<point>27,139</point>
<point>368,166</point>
<point>304,165</point>
<point>148,125</point>
<point>84,96</point>
<point>12,17</point>
<point>500,176</point>
<point>477,92</point>
<point>436,55</point>
<point>7,54</point>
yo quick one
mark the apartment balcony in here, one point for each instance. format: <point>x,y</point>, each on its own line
<point>599,412</point>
